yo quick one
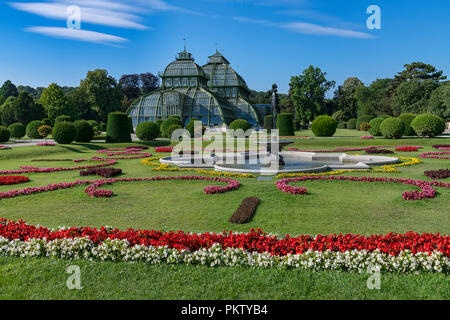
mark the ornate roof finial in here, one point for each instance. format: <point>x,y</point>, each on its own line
<point>184,44</point>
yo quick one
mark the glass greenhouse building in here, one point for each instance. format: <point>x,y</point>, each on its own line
<point>214,94</point>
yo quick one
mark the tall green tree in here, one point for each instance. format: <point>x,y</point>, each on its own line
<point>55,102</point>
<point>344,97</point>
<point>440,101</point>
<point>21,109</point>
<point>82,103</point>
<point>375,99</point>
<point>307,92</point>
<point>416,70</point>
<point>8,89</point>
<point>413,96</point>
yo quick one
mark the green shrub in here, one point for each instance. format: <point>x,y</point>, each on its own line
<point>324,126</point>
<point>361,119</point>
<point>32,129</point>
<point>384,116</point>
<point>102,127</point>
<point>339,116</point>
<point>47,122</point>
<point>240,124</point>
<point>351,124</point>
<point>392,128</point>
<point>147,131</point>
<point>428,125</point>
<point>131,124</point>
<point>44,131</point>
<point>85,132</point>
<point>268,123</point>
<point>62,118</point>
<point>118,128</point>
<point>365,126</point>
<point>17,130</point>
<point>407,118</point>
<point>375,126</point>
<point>94,124</point>
<point>166,124</point>
<point>4,134</point>
<point>159,122</point>
<point>191,127</point>
<point>172,128</point>
<point>64,132</point>
<point>342,125</point>
<point>285,124</point>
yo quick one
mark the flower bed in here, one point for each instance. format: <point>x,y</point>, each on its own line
<point>438,174</point>
<point>410,252</point>
<point>407,148</point>
<point>377,151</point>
<point>103,172</point>
<point>8,180</point>
<point>46,144</point>
<point>435,155</point>
<point>427,190</point>
<point>439,146</point>
<point>246,211</point>
<point>163,149</point>
<point>29,169</point>
<point>93,191</point>
<point>366,137</point>
<point>4,148</point>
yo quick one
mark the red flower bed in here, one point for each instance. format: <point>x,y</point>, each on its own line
<point>435,155</point>
<point>439,146</point>
<point>28,169</point>
<point>438,174</point>
<point>427,192</point>
<point>163,149</point>
<point>7,180</point>
<point>406,148</point>
<point>253,241</point>
<point>103,172</point>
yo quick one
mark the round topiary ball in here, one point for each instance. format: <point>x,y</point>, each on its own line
<point>375,126</point>
<point>240,124</point>
<point>85,132</point>
<point>64,132</point>
<point>118,128</point>
<point>4,134</point>
<point>32,129</point>
<point>62,118</point>
<point>147,131</point>
<point>17,130</point>
<point>166,124</point>
<point>285,124</point>
<point>407,118</point>
<point>392,128</point>
<point>324,126</point>
<point>428,125</point>
<point>351,124</point>
<point>361,119</point>
<point>172,128</point>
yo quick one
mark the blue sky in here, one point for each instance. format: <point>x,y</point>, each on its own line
<point>265,41</point>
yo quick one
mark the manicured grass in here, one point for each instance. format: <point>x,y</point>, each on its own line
<point>330,207</point>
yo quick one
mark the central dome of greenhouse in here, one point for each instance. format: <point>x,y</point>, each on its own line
<point>214,94</point>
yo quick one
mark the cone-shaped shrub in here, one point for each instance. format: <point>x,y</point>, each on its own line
<point>392,128</point>
<point>285,124</point>
<point>32,129</point>
<point>324,126</point>
<point>64,132</point>
<point>85,132</point>
<point>118,128</point>
<point>428,125</point>
<point>147,131</point>
<point>17,130</point>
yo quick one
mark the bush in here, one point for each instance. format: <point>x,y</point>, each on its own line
<point>44,131</point>
<point>32,129</point>
<point>118,127</point>
<point>339,116</point>
<point>428,125</point>
<point>85,132</point>
<point>361,119</point>
<point>324,126</point>
<point>147,131</point>
<point>351,124</point>
<point>365,126</point>
<point>190,127</point>
<point>375,126</point>
<point>159,122</point>
<point>240,124</point>
<point>166,124</point>
<point>95,125</point>
<point>62,118</point>
<point>17,130</point>
<point>392,128</point>
<point>64,132</point>
<point>268,123</point>
<point>285,124</point>
<point>4,134</point>
<point>131,124</point>
<point>342,125</point>
<point>172,128</point>
<point>102,127</point>
<point>47,122</point>
<point>407,118</point>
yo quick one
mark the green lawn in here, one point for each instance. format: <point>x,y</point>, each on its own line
<point>330,207</point>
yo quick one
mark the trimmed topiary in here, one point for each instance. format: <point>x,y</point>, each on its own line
<point>191,127</point>
<point>85,132</point>
<point>324,126</point>
<point>172,128</point>
<point>102,127</point>
<point>240,124</point>
<point>285,124</point>
<point>118,128</point>
<point>166,124</point>
<point>32,129</point>
<point>361,119</point>
<point>17,130</point>
<point>407,118</point>
<point>428,125</point>
<point>131,124</point>
<point>62,118</point>
<point>392,128</point>
<point>268,123</point>
<point>4,134</point>
<point>351,124</point>
<point>64,132</point>
<point>375,126</point>
<point>147,131</point>
<point>47,122</point>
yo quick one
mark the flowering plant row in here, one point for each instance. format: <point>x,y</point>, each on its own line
<point>29,169</point>
<point>116,154</point>
<point>377,151</point>
<point>93,191</point>
<point>46,144</point>
<point>407,148</point>
<point>8,180</point>
<point>441,146</point>
<point>163,149</point>
<point>4,148</point>
<point>366,137</point>
<point>435,155</point>
<point>438,174</point>
<point>103,172</point>
<point>392,252</point>
<point>427,190</point>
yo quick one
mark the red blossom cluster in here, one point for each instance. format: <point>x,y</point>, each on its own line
<point>427,190</point>
<point>102,172</point>
<point>435,155</point>
<point>29,169</point>
<point>8,180</point>
<point>46,144</point>
<point>407,148</point>
<point>366,137</point>
<point>134,152</point>
<point>253,241</point>
<point>438,174</point>
<point>163,149</point>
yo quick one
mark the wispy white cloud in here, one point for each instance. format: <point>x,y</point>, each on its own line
<point>79,35</point>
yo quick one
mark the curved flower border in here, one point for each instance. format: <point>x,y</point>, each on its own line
<point>435,155</point>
